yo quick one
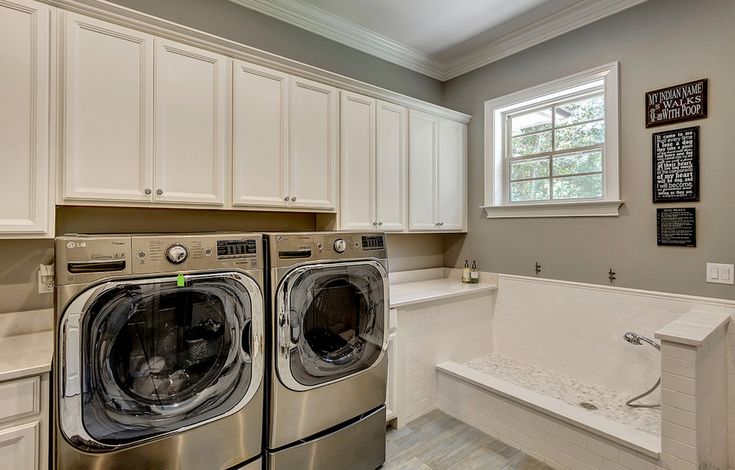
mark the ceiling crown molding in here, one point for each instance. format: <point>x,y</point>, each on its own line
<point>556,24</point>
<point>338,29</point>
<point>323,23</point>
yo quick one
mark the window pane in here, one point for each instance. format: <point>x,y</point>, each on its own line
<point>586,109</point>
<point>587,162</point>
<point>578,187</point>
<point>539,120</point>
<point>582,135</point>
<point>531,144</point>
<point>535,190</point>
<point>529,169</point>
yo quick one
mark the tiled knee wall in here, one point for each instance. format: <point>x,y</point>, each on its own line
<point>454,330</point>
<point>694,389</point>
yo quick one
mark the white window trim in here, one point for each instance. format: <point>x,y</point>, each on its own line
<point>495,205</point>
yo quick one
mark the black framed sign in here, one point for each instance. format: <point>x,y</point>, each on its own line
<point>677,103</point>
<point>676,165</point>
<point>676,226</point>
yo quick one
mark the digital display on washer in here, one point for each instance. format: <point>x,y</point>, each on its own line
<point>227,249</point>
<point>372,242</point>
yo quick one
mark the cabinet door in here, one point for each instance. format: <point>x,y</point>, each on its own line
<point>191,124</point>
<point>451,172</point>
<point>313,145</point>
<point>108,125</point>
<point>260,136</point>
<point>25,192</point>
<point>357,150</point>
<point>19,447</point>
<point>391,166</point>
<point>423,135</point>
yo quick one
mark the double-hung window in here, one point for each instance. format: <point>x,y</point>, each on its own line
<point>552,150</point>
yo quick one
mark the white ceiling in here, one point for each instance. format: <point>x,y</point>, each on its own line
<point>440,38</point>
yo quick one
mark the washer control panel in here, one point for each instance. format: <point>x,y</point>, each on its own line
<point>190,252</point>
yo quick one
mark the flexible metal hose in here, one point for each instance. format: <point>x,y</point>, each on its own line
<point>647,392</point>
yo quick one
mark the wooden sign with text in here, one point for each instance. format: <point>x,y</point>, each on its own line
<point>678,103</point>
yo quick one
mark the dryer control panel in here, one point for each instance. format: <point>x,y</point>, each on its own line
<point>287,249</point>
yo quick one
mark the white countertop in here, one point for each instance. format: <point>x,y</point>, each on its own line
<point>25,355</point>
<point>414,287</point>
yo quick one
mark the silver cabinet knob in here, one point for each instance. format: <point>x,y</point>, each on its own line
<point>293,199</point>
<point>375,223</point>
<point>439,224</point>
<point>159,191</point>
<point>147,191</point>
<point>380,223</point>
<point>286,198</point>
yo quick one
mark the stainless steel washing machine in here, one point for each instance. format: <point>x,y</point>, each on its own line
<point>159,355</point>
<point>327,342</point>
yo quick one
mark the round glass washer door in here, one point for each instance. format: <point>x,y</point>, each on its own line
<point>332,322</point>
<point>157,356</point>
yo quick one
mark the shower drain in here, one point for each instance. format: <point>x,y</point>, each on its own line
<point>587,406</point>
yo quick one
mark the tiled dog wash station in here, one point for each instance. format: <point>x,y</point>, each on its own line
<point>363,235</point>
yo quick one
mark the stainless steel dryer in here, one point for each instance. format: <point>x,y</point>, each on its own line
<point>159,361</point>
<point>328,366</point>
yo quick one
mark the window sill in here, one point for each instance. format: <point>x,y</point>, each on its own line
<point>563,209</point>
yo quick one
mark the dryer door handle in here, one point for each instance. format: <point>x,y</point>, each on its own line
<point>247,338</point>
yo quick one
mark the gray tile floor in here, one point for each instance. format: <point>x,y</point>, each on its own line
<point>437,441</point>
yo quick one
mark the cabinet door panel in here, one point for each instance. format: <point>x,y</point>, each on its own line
<point>19,447</point>
<point>24,61</point>
<point>391,166</point>
<point>422,173</point>
<point>451,175</point>
<point>109,112</point>
<point>191,122</point>
<point>313,145</point>
<point>357,136</point>
<point>260,136</point>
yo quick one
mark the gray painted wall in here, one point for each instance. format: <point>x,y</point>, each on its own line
<point>658,43</point>
<point>237,23</point>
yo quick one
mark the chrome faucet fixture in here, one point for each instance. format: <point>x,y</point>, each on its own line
<point>636,339</point>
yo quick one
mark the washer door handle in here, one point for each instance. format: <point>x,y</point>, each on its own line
<point>247,337</point>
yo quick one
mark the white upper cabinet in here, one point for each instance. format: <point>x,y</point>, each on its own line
<point>357,150</point>
<point>313,145</point>
<point>260,136</point>
<point>373,156</point>
<point>108,123</point>
<point>391,158</point>
<point>25,181</point>
<point>423,150</point>
<point>190,141</point>
<point>437,162</point>
<point>451,174</point>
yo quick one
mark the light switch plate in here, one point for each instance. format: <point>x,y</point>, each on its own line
<point>720,273</point>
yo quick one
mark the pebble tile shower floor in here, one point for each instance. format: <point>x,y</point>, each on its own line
<point>609,403</point>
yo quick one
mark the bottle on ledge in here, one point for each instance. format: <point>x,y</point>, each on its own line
<point>474,273</point>
<point>466,279</point>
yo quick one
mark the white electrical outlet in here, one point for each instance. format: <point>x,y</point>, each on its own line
<point>720,273</point>
<point>45,278</point>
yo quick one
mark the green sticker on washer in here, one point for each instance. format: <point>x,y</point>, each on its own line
<point>180,281</point>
